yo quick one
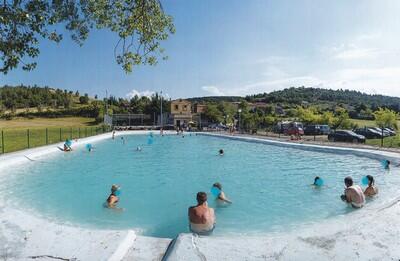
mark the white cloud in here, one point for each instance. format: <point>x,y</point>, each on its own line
<point>356,53</point>
<point>134,92</point>
<point>213,90</point>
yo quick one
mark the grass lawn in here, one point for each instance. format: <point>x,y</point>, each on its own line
<point>24,123</point>
<point>22,133</point>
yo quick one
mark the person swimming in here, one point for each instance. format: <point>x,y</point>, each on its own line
<point>318,181</point>
<point>371,190</point>
<point>201,217</point>
<point>123,140</point>
<point>386,164</point>
<point>221,198</point>
<point>113,198</point>
<point>353,194</point>
<point>221,152</point>
<point>113,135</point>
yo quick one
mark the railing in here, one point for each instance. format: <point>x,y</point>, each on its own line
<point>19,139</point>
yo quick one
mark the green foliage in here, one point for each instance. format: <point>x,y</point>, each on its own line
<point>140,25</point>
<point>213,114</point>
<point>386,118</point>
<point>298,96</point>
<point>84,99</point>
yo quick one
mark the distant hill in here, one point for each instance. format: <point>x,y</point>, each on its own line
<point>303,95</point>
<point>216,99</point>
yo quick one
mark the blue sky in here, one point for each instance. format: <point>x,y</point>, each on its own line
<point>241,47</point>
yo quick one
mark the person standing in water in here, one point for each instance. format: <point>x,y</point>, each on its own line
<point>371,190</point>
<point>201,217</point>
<point>353,194</point>
<point>113,198</point>
<point>221,152</point>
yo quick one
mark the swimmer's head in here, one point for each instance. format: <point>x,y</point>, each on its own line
<point>217,185</point>
<point>114,188</point>
<point>348,181</point>
<point>221,152</point>
<point>316,180</point>
<point>201,197</point>
<point>371,180</point>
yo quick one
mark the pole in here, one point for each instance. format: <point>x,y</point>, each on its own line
<point>27,135</point>
<point>47,136</point>
<point>161,116</point>
<point>200,120</point>
<point>382,138</point>
<point>79,133</point>
<point>60,134</point>
<point>70,133</point>
<point>2,141</point>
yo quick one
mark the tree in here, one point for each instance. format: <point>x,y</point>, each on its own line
<point>385,118</point>
<point>84,99</point>
<point>140,25</point>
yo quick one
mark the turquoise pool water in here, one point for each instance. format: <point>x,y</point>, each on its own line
<point>269,185</point>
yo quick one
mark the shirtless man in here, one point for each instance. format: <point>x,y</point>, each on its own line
<point>353,194</point>
<point>201,217</point>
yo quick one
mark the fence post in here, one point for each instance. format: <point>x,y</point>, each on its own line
<point>85,131</point>
<point>79,133</point>
<point>2,141</point>
<point>60,134</point>
<point>70,133</point>
<point>27,135</point>
<point>47,136</point>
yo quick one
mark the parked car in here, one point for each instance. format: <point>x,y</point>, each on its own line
<point>312,130</point>
<point>297,131</point>
<point>282,127</point>
<point>325,129</point>
<point>391,131</point>
<point>346,136</point>
<point>368,133</point>
<point>385,133</point>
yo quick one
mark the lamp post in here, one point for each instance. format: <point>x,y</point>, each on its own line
<point>239,111</point>
<point>161,115</point>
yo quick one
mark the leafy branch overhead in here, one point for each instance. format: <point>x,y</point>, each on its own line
<point>140,25</point>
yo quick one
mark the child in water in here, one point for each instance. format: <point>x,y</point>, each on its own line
<point>113,198</point>
<point>217,191</point>
<point>371,190</point>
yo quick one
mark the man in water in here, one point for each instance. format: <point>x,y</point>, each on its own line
<point>201,217</point>
<point>221,152</point>
<point>353,194</point>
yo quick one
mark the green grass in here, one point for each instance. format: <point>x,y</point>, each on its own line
<point>43,131</point>
<point>388,142</point>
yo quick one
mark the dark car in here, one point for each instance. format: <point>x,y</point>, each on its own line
<point>391,131</point>
<point>312,130</point>
<point>346,136</point>
<point>368,133</point>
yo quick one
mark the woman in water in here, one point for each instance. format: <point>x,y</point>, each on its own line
<point>221,198</point>
<point>371,190</point>
<point>113,198</point>
<point>221,152</point>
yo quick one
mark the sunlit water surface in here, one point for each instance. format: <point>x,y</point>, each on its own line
<point>269,185</point>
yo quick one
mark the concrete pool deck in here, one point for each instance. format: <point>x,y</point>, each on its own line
<point>361,235</point>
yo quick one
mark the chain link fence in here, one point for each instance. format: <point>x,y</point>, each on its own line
<point>19,139</point>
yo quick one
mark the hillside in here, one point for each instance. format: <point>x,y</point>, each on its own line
<point>316,96</point>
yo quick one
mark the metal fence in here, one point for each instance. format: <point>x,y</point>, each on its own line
<point>19,139</point>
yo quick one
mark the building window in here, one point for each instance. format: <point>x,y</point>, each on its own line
<point>176,106</point>
<point>184,107</point>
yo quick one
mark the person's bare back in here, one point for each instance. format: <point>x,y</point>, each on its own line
<point>201,217</point>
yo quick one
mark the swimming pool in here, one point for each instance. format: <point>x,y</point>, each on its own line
<point>269,185</point>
